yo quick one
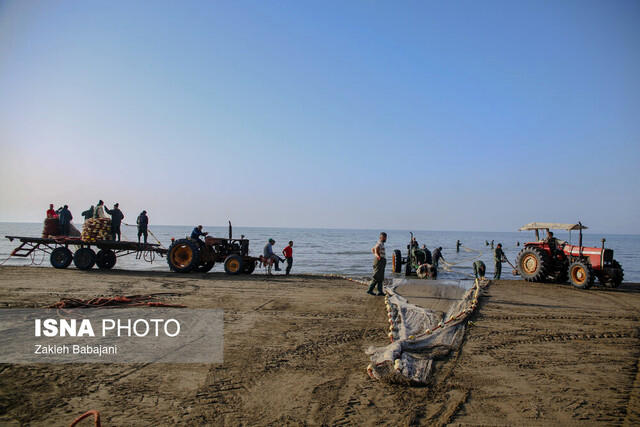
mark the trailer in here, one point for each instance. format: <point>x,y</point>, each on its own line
<point>84,256</point>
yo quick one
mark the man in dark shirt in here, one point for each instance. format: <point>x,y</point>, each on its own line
<point>437,256</point>
<point>88,214</point>
<point>197,232</point>
<point>116,219</point>
<point>143,224</point>
<point>498,257</point>
<point>479,269</point>
<point>65,218</point>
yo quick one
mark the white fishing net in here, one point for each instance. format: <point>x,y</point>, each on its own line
<point>426,322</point>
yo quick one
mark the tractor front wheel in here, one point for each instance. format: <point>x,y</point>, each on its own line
<point>613,276</point>
<point>233,264</point>
<point>581,275</point>
<point>533,264</point>
<point>183,255</point>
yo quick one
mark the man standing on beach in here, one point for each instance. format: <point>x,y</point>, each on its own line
<point>379,263</point>
<point>288,255</point>
<point>116,219</point>
<point>498,257</point>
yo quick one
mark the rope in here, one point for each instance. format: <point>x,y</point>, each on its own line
<point>129,301</point>
<point>33,258</point>
<point>149,231</point>
<point>96,418</point>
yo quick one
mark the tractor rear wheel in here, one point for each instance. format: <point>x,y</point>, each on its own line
<point>533,264</point>
<point>396,261</point>
<point>84,259</point>
<point>61,257</point>
<point>183,255</point>
<point>233,264</point>
<point>581,275</point>
<point>106,259</point>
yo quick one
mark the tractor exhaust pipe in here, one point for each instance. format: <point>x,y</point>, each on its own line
<point>580,238</point>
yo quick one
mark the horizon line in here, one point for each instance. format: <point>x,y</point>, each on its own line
<point>335,228</point>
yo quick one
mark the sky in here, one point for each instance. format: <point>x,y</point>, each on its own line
<point>460,115</point>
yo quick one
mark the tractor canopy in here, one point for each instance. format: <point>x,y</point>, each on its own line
<point>551,226</point>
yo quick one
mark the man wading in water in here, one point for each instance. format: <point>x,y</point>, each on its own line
<point>379,262</point>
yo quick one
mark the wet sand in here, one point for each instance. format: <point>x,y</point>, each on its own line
<point>537,354</point>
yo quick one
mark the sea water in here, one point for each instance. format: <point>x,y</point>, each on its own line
<point>348,252</point>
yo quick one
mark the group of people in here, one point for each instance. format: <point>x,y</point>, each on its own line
<point>64,217</point>
<point>479,268</point>
<point>268,254</point>
<point>430,260</point>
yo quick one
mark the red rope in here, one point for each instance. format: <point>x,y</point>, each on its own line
<point>96,418</point>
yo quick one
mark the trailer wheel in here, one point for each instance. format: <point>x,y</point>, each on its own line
<point>61,257</point>
<point>183,255</point>
<point>580,275</point>
<point>84,258</point>
<point>533,264</point>
<point>248,267</point>
<point>233,264</point>
<point>106,259</point>
<point>396,261</point>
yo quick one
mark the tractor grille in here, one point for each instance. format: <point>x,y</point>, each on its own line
<point>608,256</point>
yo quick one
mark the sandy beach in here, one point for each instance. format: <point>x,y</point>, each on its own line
<point>536,354</point>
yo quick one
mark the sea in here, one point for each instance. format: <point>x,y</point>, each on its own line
<point>347,252</point>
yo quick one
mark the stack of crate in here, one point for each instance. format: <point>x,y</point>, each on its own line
<point>95,229</point>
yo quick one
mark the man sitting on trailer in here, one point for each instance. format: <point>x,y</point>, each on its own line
<point>197,232</point>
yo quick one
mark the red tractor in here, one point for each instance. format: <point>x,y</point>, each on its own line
<point>555,261</point>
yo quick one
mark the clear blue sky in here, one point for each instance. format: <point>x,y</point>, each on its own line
<point>462,115</point>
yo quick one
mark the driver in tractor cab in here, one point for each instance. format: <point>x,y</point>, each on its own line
<point>197,232</point>
<point>552,242</point>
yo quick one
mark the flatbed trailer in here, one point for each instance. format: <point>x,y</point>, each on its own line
<point>84,257</point>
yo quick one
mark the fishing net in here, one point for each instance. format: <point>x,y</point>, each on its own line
<point>426,322</point>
